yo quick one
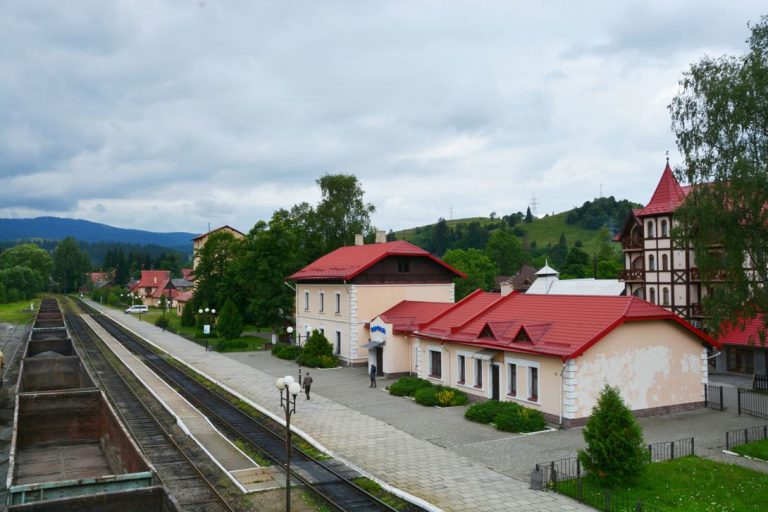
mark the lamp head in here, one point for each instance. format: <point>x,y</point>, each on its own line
<point>288,380</point>
<point>294,388</point>
<point>289,329</point>
<point>280,384</point>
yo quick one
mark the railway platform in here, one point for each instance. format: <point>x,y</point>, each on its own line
<point>430,475</point>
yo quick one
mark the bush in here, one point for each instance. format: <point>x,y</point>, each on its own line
<point>286,351</point>
<point>521,419</point>
<point>615,451</point>
<point>486,411</point>
<point>450,397</point>
<point>407,386</point>
<point>188,315</point>
<point>162,322</point>
<point>317,352</point>
<point>426,396</point>
<point>324,361</point>
<point>232,345</point>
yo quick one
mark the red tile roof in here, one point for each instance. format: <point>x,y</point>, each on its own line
<point>406,316</point>
<point>555,325</point>
<point>185,296</point>
<point>667,197</point>
<point>347,262</point>
<point>749,335</point>
<point>161,290</point>
<point>153,278</point>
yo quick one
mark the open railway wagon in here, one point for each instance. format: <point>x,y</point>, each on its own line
<point>69,450</point>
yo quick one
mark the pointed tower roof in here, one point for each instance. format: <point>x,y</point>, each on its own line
<point>546,270</point>
<point>667,197</point>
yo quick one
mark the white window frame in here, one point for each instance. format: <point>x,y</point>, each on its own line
<point>524,368</point>
<point>321,300</point>
<point>430,370</point>
<point>478,373</point>
<point>306,300</point>
<point>461,368</point>
<point>337,347</point>
<point>510,380</point>
<point>337,300</point>
<point>531,369</point>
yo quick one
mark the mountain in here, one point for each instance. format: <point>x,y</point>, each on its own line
<point>56,228</point>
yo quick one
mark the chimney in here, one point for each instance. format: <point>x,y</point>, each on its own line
<point>359,239</point>
<point>381,237</point>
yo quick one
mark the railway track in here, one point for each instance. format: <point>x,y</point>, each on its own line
<point>12,347</point>
<point>175,469</point>
<point>326,478</point>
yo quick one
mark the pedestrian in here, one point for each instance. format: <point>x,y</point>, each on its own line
<point>307,384</point>
<point>373,376</point>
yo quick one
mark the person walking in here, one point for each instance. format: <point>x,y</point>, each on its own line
<point>373,376</point>
<point>307,384</point>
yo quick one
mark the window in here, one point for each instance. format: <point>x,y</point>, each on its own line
<point>337,349</point>
<point>664,262</point>
<point>478,373</point>
<point>462,369</point>
<point>337,302</point>
<point>651,262</point>
<point>321,299</point>
<point>306,301</point>
<point>664,229</point>
<point>512,379</point>
<point>322,331</point>
<point>403,265</point>
<point>652,293</point>
<point>435,364</point>
<point>651,230</point>
<point>665,296</point>
<point>533,384</point>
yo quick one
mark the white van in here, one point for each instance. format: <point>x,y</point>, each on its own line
<point>137,308</point>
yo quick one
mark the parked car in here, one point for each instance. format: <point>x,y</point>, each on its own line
<point>137,308</point>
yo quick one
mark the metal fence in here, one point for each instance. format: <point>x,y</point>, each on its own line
<point>745,435</point>
<point>760,382</point>
<point>566,476</point>
<point>753,403</point>
<point>713,397</point>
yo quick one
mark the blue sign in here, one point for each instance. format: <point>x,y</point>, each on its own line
<point>378,328</point>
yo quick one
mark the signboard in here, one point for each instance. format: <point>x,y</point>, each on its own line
<point>206,329</point>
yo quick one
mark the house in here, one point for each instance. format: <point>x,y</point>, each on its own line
<point>653,269</point>
<point>150,286</point>
<point>743,350</point>
<point>199,241</point>
<point>548,283</point>
<point>553,353</point>
<point>520,282</point>
<point>340,292</point>
<point>182,299</point>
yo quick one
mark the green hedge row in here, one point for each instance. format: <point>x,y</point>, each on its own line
<point>507,416</point>
<point>425,393</point>
<point>289,352</point>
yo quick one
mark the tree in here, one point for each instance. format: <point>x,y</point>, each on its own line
<point>188,315</point>
<point>230,323</point>
<point>719,119</point>
<point>480,270</point>
<point>317,352</point>
<point>615,451</point>
<point>528,216</point>
<point>216,274</point>
<point>342,213</point>
<point>70,265</point>
<point>31,256</point>
<point>441,236</point>
<point>505,251</point>
<point>577,264</point>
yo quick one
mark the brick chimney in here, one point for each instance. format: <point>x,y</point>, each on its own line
<point>359,239</point>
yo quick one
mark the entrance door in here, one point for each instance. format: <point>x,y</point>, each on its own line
<point>494,381</point>
<point>379,361</point>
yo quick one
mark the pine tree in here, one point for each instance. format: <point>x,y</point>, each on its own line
<point>615,448</point>
<point>230,322</point>
<point>528,216</point>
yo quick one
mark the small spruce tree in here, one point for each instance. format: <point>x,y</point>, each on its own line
<point>615,448</point>
<point>188,315</point>
<point>230,322</point>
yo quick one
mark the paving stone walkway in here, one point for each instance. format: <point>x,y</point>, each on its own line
<point>437,477</point>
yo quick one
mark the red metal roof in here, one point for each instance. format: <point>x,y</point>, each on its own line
<point>667,197</point>
<point>161,290</point>
<point>153,278</point>
<point>555,325</point>
<point>407,315</point>
<point>347,262</point>
<point>749,335</point>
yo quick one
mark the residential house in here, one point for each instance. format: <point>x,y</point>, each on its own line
<point>520,282</point>
<point>340,292</point>
<point>743,349</point>
<point>199,241</point>
<point>553,353</point>
<point>149,288</point>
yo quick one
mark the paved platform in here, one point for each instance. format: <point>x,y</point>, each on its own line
<point>243,471</point>
<point>435,476</point>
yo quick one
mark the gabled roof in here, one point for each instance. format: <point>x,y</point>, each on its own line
<point>222,228</point>
<point>185,296</point>
<point>585,286</point>
<point>749,335</point>
<point>555,325</point>
<point>667,197</point>
<point>462,311</point>
<point>407,315</point>
<point>162,290</point>
<point>152,278</point>
<point>347,262</point>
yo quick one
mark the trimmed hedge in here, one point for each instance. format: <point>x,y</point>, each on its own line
<point>507,416</point>
<point>231,345</point>
<point>286,351</point>
<point>323,361</point>
<point>425,393</point>
<point>407,386</point>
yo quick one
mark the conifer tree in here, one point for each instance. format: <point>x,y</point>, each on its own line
<point>230,322</point>
<point>615,448</point>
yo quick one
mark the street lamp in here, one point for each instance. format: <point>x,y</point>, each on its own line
<point>288,389</point>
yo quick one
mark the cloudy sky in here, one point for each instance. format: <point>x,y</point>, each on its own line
<point>176,115</point>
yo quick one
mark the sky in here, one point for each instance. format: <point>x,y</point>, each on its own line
<point>174,115</point>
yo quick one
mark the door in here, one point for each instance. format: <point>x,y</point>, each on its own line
<point>379,361</point>
<point>494,381</point>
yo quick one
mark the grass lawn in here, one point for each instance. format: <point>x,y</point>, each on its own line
<point>695,484</point>
<point>18,312</point>
<point>758,449</point>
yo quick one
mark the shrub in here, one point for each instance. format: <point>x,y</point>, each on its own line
<point>486,411</point>
<point>162,322</point>
<point>286,351</point>
<point>324,361</point>
<point>426,396</point>
<point>231,345</point>
<point>520,419</point>
<point>615,451</point>
<point>317,346</point>
<point>407,386</point>
<point>188,315</point>
<point>450,397</point>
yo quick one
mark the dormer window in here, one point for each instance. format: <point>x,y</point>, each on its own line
<point>403,265</point>
<point>522,336</point>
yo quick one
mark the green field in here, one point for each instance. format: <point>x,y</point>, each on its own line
<point>18,312</point>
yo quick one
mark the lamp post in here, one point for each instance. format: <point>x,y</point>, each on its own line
<point>289,330</point>
<point>288,389</point>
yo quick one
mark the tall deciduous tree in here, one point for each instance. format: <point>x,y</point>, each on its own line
<point>70,265</point>
<point>216,273</point>
<point>506,251</point>
<point>31,256</point>
<point>480,270</point>
<point>719,118</point>
<point>342,212</point>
